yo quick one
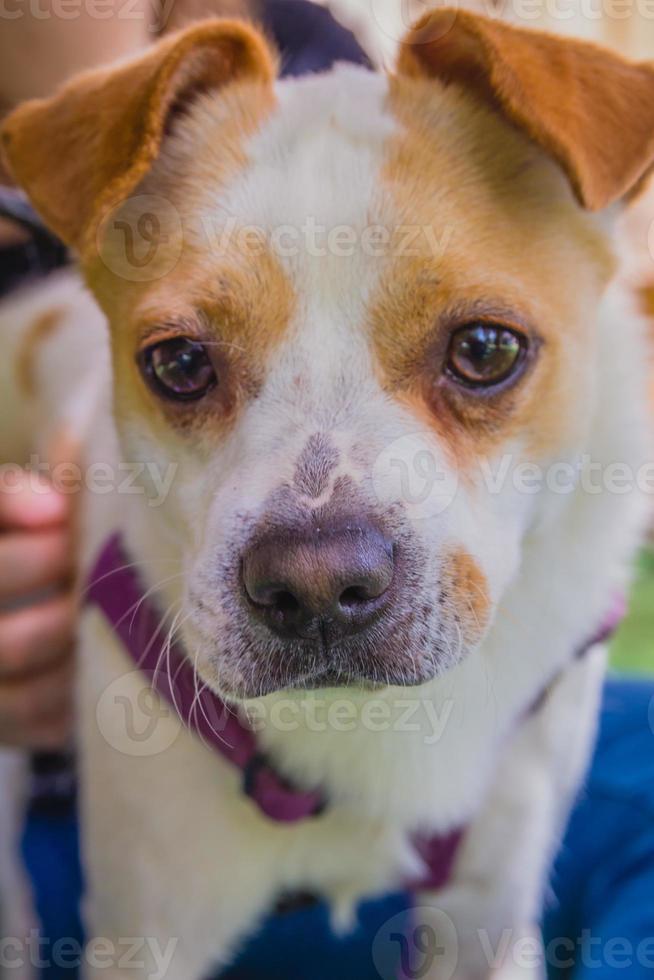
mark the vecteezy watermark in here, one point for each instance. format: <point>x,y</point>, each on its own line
<point>142,238</point>
<point>394,20</point>
<point>319,714</point>
<point>147,479</point>
<point>319,240</point>
<point>564,477</point>
<point>135,721</point>
<point>70,9</point>
<point>594,952</point>
<point>414,943</point>
<point>423,941</point>
<point>149,956</point>
<point>529,951</point>
<point>411,470</point>
<point>408,469</point>
<point>154,13</point>
<point>563,11</point>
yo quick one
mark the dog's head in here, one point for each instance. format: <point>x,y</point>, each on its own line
<point>336,303</point>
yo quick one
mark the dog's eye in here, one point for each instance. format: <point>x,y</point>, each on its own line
<point>179,368</point>
<point>481,355</point>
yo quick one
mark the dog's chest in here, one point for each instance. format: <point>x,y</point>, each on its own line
<point>142,769</point>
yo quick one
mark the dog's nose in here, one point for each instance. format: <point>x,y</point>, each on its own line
<point>325,583</point>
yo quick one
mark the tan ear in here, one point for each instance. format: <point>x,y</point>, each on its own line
<point>591,110</point>
<point>84,149</point>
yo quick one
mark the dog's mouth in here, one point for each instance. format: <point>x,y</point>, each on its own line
<point>316,680</point>
<point>405,645</point>
<point>261,672</point>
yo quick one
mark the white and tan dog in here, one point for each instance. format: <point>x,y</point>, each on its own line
<point>455,323</point>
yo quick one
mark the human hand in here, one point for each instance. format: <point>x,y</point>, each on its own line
<point>37,616</point>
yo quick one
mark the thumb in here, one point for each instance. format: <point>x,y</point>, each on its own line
<point>28,501</point>
<point>63,453</point>
<point>33,498</point>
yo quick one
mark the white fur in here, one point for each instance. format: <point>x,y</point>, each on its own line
<point>172,849</point>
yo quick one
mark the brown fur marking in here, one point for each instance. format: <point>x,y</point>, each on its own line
<point>40,330</point>
<point>508,232</point>
<point>587,107</point>
<point>105,127</point>
<point>467,590</point>
<point>317,461</point>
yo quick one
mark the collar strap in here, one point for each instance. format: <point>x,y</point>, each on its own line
<point>614,616</point>
<point>115,588</point>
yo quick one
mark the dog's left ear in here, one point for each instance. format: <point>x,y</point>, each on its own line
<point>588,108</point>
<point>83,150</point>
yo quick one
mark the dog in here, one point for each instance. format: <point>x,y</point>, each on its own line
<point>368,366</point>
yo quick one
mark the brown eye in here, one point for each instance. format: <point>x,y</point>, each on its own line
<point>482,354</point>
<point>179,368</point>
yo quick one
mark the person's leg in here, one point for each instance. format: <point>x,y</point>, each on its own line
<point>50,851</point>
<point>300,944</point>
<point>601,920</point>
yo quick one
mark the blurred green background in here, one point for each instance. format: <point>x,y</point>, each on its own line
<point>632,649</point>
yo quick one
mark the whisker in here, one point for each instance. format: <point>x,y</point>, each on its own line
<point>197,702</point>
<point>122,568</point>
<point>174,627</point>
<point>146,595</point>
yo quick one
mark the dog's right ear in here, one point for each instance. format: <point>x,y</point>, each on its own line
<point>82,151</point>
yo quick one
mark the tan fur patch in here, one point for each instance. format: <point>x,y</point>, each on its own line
<point>647,300</point>
<point>104,128</point>
<point>506,234</point>
<point>40,330</point>
<point>240,313</point>
<point>587,107</point>
<point>224,288</point>
<point>466,589</point>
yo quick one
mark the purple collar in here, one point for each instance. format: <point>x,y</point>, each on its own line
<point>114,587</point>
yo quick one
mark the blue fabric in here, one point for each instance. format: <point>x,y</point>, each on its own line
<point>309,38</point>
<point>600,919</point>
<point>301,946</point>
<point>50,850</point>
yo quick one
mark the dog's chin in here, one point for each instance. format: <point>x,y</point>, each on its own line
<point>244,666</point>
<point>260,684</point>
<point>359,679</point>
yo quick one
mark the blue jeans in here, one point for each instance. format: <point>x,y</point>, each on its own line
<point>599,920</point>
<point>603,880</point>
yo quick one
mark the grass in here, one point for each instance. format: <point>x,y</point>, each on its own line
<point>632,650</point>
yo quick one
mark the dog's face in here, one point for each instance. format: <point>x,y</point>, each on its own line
<point>366,297</point>
<point>324,408</point>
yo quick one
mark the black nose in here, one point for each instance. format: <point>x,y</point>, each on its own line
<point>325,583</point>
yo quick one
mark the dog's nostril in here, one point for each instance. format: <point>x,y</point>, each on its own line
<point>284,602</point>
<point>275,598</point>
<point>356,595</point>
